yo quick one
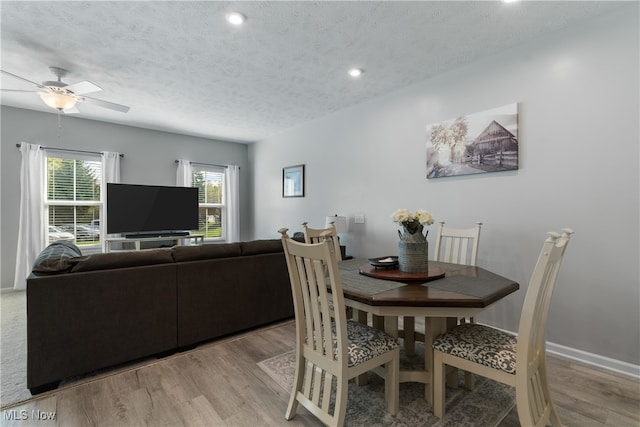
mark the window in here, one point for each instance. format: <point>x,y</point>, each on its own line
<point>72,204</point>
<point>210,181</point>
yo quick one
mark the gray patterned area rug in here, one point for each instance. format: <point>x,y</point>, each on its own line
<point>486,405</point>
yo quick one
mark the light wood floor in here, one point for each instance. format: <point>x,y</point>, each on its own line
<point>225,387</point>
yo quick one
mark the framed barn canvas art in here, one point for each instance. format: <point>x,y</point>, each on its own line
<point>473,144</point>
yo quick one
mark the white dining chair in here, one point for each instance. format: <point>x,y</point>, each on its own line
<point>330,349</point>
<point>517,361</point>
<point>317,235</point>
<point>458,245</point>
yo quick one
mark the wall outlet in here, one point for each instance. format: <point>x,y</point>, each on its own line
<point>358,219</point>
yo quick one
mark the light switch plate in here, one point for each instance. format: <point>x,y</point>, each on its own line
<point>358,219</point>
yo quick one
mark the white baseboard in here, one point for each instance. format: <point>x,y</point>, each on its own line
<point>591,359</point>
<point>618,366</point>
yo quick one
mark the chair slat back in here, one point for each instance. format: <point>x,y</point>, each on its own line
<point>458,245</point>
<point>317,235</point>
<point>312,268</point>
<point>535,310</point>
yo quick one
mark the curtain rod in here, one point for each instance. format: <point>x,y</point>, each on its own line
<point>69,150</point>
<point>205,164</point>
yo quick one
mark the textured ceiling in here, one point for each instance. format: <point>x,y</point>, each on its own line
<point>182,68</point>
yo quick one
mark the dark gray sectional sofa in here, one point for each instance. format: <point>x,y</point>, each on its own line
<point>90,312</point>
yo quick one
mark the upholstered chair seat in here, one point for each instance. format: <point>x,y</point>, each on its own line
<point>364,343</point>
<point>480,344</point>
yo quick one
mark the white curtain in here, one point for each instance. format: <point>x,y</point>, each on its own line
<point>183,175</point>
<point>110,174</point>
<point>232,179</point>
<point>31,234</point>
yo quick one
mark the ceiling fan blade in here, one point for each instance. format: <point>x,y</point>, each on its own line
<point>106,104</point>
<point>18,90</point>
<point>21,78</point>
<point>81,88</point>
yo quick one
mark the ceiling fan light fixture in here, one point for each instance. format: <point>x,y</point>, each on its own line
<point>58,101</point>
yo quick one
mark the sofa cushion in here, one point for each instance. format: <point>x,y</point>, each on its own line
<point>208,251</point>
<point>113,260</point>
<point>257,247</point>
<point>55,258</point>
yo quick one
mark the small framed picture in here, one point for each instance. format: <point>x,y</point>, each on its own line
<point>293,181</point>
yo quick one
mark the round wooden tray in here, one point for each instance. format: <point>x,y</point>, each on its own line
<point>402,276</point>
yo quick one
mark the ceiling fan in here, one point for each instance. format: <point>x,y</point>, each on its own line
<point>63,97</point>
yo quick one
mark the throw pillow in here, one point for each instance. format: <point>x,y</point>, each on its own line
<point>55,258</point>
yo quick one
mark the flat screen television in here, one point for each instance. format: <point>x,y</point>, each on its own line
<point>151,209</point>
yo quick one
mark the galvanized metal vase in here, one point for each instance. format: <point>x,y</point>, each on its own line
<point>413,252</point>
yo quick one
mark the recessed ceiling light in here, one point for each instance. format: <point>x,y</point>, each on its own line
<point>510,1</point>
<point>236,18</point>
<point>356,72</point>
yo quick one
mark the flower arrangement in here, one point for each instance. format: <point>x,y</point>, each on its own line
<point>412,223</point>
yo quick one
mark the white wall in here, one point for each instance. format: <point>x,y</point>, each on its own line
<point>578,95</point>
<point>149,159</point>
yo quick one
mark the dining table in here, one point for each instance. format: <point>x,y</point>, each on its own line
<point>444,294</point>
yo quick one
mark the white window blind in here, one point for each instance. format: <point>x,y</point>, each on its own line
<point>212,200</point>
<point>73,202</point>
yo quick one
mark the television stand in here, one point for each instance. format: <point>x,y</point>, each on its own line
<point>179,239</point>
